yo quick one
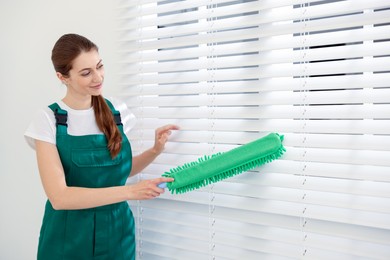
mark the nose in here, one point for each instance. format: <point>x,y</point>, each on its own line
<point>98,77</point>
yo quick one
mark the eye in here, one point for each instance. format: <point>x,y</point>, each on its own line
<point>100,66</point>
<point>84,74</point>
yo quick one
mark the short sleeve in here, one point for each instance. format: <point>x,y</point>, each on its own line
<point>42,128</point>
<point>128,118</point>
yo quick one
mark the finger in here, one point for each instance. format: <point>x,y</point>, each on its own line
<point>163,179</point>
<point>163,133</point>
<point>155,192</point>
<point>151,194</point>
<point>164,138</point>
<point>168,128</point>
<point>174,127</point>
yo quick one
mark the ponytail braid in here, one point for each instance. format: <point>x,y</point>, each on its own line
<point>106,123</point>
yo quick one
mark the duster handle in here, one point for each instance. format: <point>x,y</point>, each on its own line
<point>162,185</point>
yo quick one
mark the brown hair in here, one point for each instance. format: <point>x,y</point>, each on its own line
<point>64,52</point>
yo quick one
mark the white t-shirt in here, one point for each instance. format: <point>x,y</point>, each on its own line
<point>80,122</point>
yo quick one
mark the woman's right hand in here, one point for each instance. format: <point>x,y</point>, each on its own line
<point>147,189</point>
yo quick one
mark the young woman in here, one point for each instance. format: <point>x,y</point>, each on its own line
<point>84,159</point>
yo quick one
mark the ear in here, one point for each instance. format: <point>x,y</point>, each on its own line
<point>61,77</point>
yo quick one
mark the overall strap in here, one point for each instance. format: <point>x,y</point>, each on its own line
<point>61,117</point>
<point>115,113</point>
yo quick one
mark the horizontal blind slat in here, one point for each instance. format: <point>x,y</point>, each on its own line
<point>380,64</point>
<point>345,82</point>
<point>276,125</point>
<point>377,111</point>
<point>217,138</point>
<point>285,56</point>
<point>331,97</point>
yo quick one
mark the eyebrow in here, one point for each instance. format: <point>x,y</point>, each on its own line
<point>100,61</point>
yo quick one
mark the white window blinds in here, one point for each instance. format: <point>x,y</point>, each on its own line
<point>228,72</point>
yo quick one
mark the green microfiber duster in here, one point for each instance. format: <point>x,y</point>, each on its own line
<point>217,167</point>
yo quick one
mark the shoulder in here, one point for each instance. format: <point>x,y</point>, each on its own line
<point>44,116</point>
<point>42,127</point>
<point>128,118</point>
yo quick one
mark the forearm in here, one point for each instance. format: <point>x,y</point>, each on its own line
<point>69,198</point>
<point>147,157</point>
<point>142,160</point>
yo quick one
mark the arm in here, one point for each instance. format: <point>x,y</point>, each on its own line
<point>63,197</point>
<point>144,159</point>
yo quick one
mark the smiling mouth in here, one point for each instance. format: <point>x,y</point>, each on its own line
<point>97,86</point>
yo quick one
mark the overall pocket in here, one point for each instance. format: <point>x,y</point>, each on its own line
<point>94,158</point>
<point>94,168</point>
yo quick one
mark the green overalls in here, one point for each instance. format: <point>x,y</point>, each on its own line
<point>105,232</point>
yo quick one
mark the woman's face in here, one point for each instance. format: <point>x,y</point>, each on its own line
<point>87,75</point>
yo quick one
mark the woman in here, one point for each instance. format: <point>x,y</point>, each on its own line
<point>84,159</point>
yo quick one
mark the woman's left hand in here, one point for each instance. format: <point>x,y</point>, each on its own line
<point>161,137</point>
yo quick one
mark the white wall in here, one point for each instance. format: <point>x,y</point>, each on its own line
<point>28,30</point>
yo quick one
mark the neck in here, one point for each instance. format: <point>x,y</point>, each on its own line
<point>77,103</point>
